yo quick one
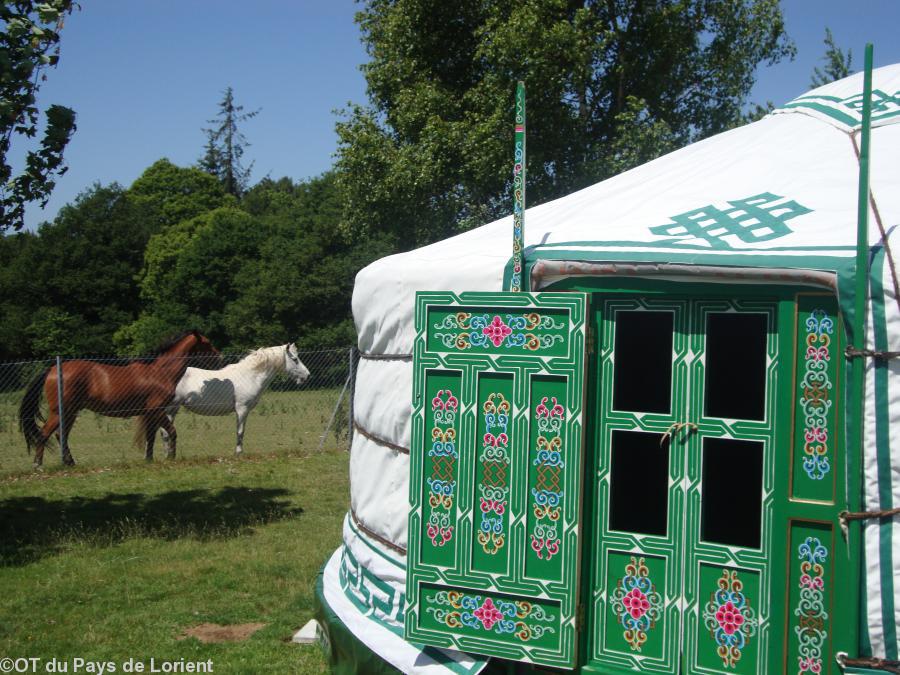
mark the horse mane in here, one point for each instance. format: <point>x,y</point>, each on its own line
<point>149,357</point>
<point>265,358</point>
<point>171,341</point>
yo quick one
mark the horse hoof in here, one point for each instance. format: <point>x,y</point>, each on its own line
<point>170,455</point>
<point>68,461</point>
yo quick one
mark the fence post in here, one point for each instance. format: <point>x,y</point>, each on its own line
<point>62,412</point>
<point>350,416</point>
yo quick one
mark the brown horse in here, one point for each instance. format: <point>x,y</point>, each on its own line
<point>142,387</point>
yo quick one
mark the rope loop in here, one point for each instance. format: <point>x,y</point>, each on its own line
<point>853,353</point>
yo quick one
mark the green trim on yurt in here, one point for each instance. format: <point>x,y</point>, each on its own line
<point>883,456</point>
<point>346,654</point>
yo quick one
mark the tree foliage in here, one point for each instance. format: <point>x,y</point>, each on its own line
<point>169,194</point>
<point>29,43</point>
<point>837,63</point>
<point>610,85</point>
<point>225,145</point>
<point>68,287</point>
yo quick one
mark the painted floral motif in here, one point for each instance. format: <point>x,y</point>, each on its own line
<point>729,618</point>
<point>488,614</point>
<point>547,493</point>
<point>814,402</point>
<point>518,192</point>
<point>497,331</point>
<point>520,618</point>
<point>811,633</point>
<point>494,485</point>
<point>529,331</point>
<point>636,603</point>
<point>443,454</point>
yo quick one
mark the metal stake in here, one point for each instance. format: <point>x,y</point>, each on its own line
<point>61,409</point>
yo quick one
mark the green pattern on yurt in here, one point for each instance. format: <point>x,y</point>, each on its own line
<point>495,481</point>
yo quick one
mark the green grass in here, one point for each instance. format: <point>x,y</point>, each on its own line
<point>115,558</point>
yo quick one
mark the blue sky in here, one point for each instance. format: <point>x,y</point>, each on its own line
<point>145,76</point>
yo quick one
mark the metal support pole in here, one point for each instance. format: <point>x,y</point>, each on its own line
<point>61,409</point>
<point>334,413</point>
<point>350,417</point>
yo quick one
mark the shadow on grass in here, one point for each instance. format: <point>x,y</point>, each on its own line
<point>32,528</point>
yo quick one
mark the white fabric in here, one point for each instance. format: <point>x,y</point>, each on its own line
<point>379,488</point>
<point>371,631</point>
<point>379,404</point>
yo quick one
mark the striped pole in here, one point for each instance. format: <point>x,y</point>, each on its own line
<point>519,193</point>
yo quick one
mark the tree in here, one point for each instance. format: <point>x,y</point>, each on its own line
<point>298,285</point>
<point>189,276</point>
<point>29,42</point>
<point>610,85</point>
<point>225,146</point>
<point>837,64</point>
<point>68,288</point>
<point>169,194</point>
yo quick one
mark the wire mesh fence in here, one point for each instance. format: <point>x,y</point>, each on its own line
<point>262,401</point>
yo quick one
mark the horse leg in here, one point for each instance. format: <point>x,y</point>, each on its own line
<point>169,435</point>
<point>149,424</point>
<point>241,420</point>
<point>67,458</point>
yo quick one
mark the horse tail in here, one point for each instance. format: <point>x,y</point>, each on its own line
<point>30,410</point>
<point>141,428</point>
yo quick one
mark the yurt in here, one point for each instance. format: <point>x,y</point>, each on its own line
<point>675,451</point>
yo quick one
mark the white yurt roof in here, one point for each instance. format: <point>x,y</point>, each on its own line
<point>779,193</point>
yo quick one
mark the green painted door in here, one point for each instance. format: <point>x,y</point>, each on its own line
<point>683,492</point>
<point>496,472</point>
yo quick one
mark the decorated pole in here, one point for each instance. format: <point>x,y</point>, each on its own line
<point>519,193</point>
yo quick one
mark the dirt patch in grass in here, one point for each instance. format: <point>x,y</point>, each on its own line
<point>213,632</point>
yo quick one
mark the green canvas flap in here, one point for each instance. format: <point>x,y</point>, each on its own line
<point>496,474</point>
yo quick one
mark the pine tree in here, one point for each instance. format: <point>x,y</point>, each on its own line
<point>837,64</point>
<point>225,146</point>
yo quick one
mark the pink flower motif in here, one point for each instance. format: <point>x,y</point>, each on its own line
<point>488,505</point>
<point>488,614</point>
<point>819,434</point>
<point>818,354</point>
<point>816,583</point>
<point>810,665</point>
<point>636,603</point>
<point>729,618</point>
<point>557,410</point>
<point>436,402</point>
<point>497,331</point>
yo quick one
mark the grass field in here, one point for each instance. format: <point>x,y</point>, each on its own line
<point>281,421</point>
<point>116,558</point>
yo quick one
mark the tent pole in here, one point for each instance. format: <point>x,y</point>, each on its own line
<point>519,193</point>
<point>858,365</point>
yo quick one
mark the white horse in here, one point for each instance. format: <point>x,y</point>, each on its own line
<point>233,389</point>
